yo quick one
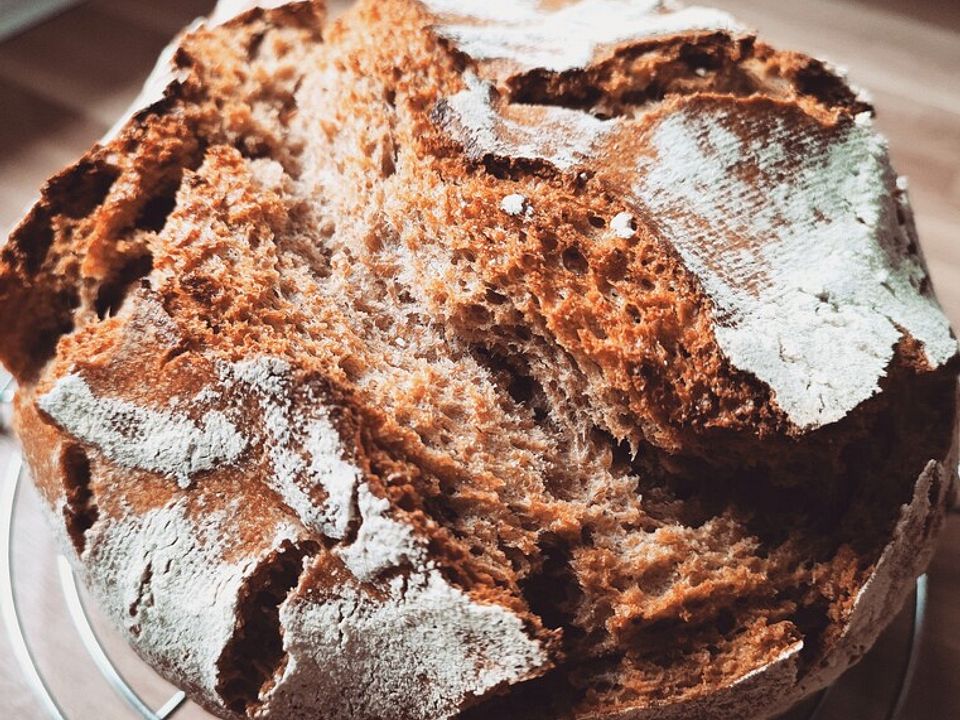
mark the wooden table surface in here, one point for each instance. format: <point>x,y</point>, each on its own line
<point>64,82</point>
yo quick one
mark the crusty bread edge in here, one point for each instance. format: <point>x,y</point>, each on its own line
<point>162,80</point>
<point>904,559</point>
<point>774,688</point>
<point>165,73</point>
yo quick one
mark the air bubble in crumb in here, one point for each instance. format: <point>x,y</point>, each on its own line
<point>622,225</point>
<point>514,204</point>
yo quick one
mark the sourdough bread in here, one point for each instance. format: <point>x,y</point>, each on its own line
<point>486,359</point>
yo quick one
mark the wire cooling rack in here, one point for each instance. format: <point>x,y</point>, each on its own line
<point>80,618</point>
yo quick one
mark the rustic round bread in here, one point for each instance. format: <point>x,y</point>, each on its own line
<point>486,359</point>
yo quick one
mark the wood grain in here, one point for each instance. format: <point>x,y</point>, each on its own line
<point>64,82</point>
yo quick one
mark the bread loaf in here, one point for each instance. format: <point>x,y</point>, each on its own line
<point>486,359</point>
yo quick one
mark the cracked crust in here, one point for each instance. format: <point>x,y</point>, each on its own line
<point>468,379</point>
<point>227,586</point>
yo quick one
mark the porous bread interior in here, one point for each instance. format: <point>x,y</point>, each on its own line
<point>653,507</point>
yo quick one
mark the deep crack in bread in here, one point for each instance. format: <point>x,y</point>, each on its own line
<point>486,359</point>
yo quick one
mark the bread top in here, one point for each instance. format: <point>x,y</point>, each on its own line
<point>410,321</point>
<point>558,37</point>
<point>794,235</point>
<point>788,214</point>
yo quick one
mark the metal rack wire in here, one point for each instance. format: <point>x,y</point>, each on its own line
<point>81,620</point>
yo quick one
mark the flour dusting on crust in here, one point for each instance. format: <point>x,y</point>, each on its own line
<point>302,443</point>
<point>556,135</point>
<point>364,644</point>
<point>166,441</point>
<point>381,542</point>
<point>163,577</point>
<point>373,648</point>
<point>792,229</point>
<point>568,38</point>
<point>800,233</point>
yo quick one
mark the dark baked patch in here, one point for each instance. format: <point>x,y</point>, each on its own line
<point>80,509</point>
<point>114,289</point>
<point>253,659</point>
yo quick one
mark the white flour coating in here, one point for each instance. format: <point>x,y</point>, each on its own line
<point>363,655</point>
<point>623,225</point>
<point>337,476</point>
<point>494,11</point>
<point>513,204</point>
<point>381,542</point>
<point>804,260</point>
<point>349,648</point>
<point>568,38</point>
<point>557,135</point>
<point>159,440</point>
<point>227,10</point>
<point>790,654</point>
<point>162,577</point>
<point>303,446</point>
<point>358,653</point>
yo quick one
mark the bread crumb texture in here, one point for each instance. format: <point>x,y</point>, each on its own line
<point>525,359</point>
